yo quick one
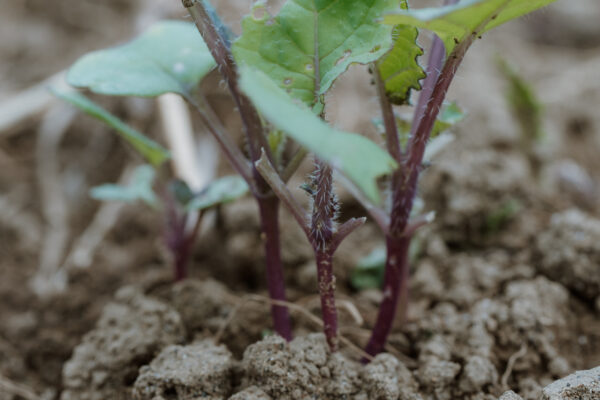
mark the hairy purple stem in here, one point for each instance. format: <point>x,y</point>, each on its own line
<point>327,293</point>
<point>405,184</point>
<point>321,237</point>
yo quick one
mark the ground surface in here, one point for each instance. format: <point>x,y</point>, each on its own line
<point>498,301</point>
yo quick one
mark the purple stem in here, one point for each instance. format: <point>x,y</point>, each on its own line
<point>405,183</point>
<point>267,203</point>
<point>178,240</point>
<point>396,274</point>
<point>269,218</point>
<point>389,119</point>
<point>326,282</point>
<point>321,237</point>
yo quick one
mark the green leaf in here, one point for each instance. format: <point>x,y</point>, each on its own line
<point>524,105</point>
<point>138,189</point>
<point>357,157</point>
<point>505,212</point>
<point>455,22</point>
<point>450,115</point>
<point>154,153</point>
<point>220,191</point>
<point>309,36</point>
<point>180,191</point>
<point>399,68</point>
<point>169,57</point>
<point>369,272</point>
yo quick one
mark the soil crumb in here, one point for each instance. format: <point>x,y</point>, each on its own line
<point>202,370</point>
<point>302,369</point>
<point>130,332</point>
<point>570,252</point>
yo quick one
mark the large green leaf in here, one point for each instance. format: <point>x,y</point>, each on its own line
<point>357,157</point>
<point>149,149</point>
<point>311,35</point>
<point>219,191</point>
<point>138,189</point>
<point>399,68</point>
<point>169,57</point>
<point>455,22</point>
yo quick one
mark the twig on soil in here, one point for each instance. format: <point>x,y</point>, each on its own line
<point>219,335</point>
<point>12,388</point>
<point>314,301</point>
<point>29,103</point>
<point>50,279</point>
<point>511,364</point>
<point>243,301</point>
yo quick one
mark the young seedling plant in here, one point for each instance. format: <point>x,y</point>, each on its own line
<point>278,73</point>
<point>182,209</point>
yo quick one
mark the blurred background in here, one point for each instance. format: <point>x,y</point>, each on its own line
<point>52,233</point>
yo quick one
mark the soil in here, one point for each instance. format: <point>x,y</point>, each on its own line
<point>505,292</point>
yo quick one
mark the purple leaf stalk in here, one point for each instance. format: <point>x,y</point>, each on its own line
<point>268,204</point>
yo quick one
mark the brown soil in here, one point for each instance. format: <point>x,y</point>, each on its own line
<point>499,300</point>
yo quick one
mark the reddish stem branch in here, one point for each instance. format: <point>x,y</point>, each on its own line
<point>389,119</point>
<point>267,171</point>
<point>220,51</point>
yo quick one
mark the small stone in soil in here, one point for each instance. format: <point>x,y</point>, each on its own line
<point>582,385</point>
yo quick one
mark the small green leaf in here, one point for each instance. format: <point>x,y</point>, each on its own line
<point>154,153</point>
<point>454,23</point>
<point>524,105</point>
<point>497,219</point>
<point>368,273</point>
<point>138,189</point>
<point>309,36</point>
<point>169,57</point>
<point>399,68</point>
<point>181,191</point>
<point>357,157</point>
<point>450,115</point>
<point>220,191</point>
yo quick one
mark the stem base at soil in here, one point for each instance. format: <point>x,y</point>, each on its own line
<point>396,274</point>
